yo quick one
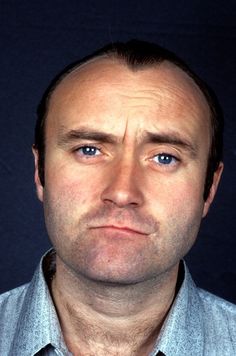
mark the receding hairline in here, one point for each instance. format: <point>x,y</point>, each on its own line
<point>114,58</point>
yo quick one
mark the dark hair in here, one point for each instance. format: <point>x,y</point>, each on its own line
<point>136,55</point>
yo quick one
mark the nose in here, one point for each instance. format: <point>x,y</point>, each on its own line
<point>124,185</point>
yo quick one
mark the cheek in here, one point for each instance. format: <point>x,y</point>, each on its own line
<point>187,195</point>
<point>177,196</point>
<point>73,188</point>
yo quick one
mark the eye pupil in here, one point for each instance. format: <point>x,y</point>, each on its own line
<point>87,150</point>
<point>165,159</point>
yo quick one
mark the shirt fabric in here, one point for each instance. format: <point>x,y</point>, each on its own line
<point>198,322</point>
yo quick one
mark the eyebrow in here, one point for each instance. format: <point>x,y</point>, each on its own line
<point>66,138</point>
<point>169,138</point>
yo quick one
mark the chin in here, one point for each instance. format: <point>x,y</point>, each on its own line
<point>118,276</point>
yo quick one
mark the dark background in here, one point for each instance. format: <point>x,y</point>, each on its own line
<point>38,38</point>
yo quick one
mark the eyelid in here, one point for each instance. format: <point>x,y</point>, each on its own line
<point>167,154</point>
<point>92,145</point>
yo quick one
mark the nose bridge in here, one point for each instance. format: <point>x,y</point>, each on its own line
<point>126,171</point>
<point>124,183</point>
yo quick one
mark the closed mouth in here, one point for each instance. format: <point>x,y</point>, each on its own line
<point>121,229</point>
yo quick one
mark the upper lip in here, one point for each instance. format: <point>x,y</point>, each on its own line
<point>122,227</point>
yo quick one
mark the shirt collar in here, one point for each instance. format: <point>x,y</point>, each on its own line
<point>38,325</point>
<point>181,333</point>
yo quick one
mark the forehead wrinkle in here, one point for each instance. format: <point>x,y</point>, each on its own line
<point>178,97</point>
<point>170,87</point>
<point>168,96</point>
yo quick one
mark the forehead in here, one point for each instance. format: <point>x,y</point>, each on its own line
<point>106,87</point>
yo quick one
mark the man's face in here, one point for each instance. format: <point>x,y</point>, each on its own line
<point>125,167</point>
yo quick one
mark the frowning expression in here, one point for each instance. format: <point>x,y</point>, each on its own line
<point>125,167</point>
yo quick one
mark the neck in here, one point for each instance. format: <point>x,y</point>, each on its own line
<point>110,319</point>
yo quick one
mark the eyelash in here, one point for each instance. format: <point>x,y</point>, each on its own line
<point>91,147</point>
<point>165,155</point>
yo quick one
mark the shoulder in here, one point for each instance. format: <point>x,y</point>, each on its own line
<point>216,305</point>
<point>219,318</point>
<point>23,311</point>
<point>8,299</point>
<point>11,304</point>
<point>13,292</point>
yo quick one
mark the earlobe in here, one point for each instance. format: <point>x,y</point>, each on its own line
<point>213,190</point>
<point>39,187</point>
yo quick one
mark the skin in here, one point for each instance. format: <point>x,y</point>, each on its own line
<point>125,167</point>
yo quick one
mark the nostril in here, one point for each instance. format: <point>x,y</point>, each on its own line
<point>123,195</point>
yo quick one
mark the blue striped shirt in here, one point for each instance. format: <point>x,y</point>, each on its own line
<point>198,323</point>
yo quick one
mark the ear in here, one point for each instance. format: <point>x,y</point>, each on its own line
<point>215,183</point>
<point>39,187</point>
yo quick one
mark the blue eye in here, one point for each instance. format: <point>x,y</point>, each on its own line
<point>89,151</point>
<point>165,159</point>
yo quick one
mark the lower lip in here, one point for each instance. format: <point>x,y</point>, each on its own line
<point>120,232</point>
